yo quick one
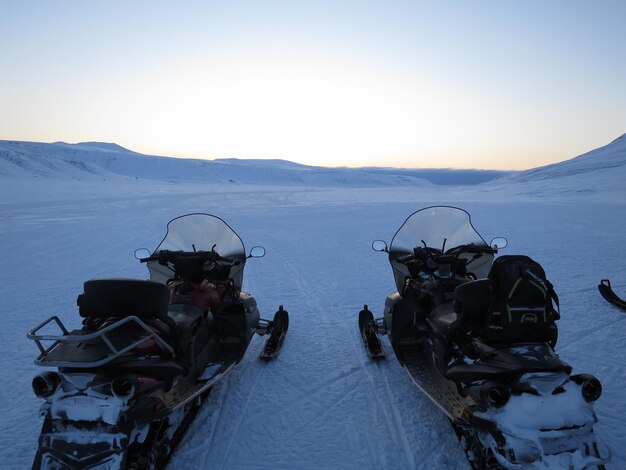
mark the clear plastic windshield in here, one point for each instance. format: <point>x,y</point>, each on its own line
<point>439,227</point>
<point>200,232</point>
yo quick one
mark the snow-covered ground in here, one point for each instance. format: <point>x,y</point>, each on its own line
<point>321,404</point>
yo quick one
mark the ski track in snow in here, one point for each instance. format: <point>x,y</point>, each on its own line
<point>321,404</point>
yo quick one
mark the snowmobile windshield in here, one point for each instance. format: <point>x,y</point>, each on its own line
<point>442,228</point>
<point>200,232</point>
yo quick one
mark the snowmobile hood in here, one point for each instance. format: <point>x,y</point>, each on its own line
<point>200,232</point>
<point>442,228</point>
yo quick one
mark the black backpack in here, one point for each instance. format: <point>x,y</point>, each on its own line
<point>521,300</point>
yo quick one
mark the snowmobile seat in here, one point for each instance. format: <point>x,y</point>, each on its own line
<point>119,298</point>
<point>156,367</point>
<point>103,298</point>
<point>184,316</point>
<point>444,319</point>
<point>471,301</point>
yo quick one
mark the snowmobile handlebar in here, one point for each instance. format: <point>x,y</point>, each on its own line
<point>429,259</point>
<point>165,256</point>
<point>471,248</point>
<point>194,266</point>
<point>420,253</point>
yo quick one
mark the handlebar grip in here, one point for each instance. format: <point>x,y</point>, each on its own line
<point>479,249</point>
<point>226,259</point>
<point>491,251</point>
<point>405,258</point>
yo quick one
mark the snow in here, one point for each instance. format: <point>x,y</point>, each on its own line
<point>321,404</point>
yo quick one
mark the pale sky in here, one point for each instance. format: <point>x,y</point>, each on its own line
<point>460,84</point>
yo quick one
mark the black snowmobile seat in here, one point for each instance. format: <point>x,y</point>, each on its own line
<point>104,298</point>
<point>185,316</point>
<point>471,301</point>
<point>443,319</point>
<point>119,298</point>
<point>156,367</point>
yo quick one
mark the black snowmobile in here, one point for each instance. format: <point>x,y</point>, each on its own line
<point>128,383</point>
<point>477,338</point>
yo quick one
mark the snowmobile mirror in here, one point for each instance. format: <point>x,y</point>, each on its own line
<point>379,245</point>
<point>141,253</point>
<point>257,252</point>
<point>499,243</point>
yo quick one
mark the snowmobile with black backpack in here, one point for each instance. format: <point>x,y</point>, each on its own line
<point>477,337</point>
<point>128,382</point>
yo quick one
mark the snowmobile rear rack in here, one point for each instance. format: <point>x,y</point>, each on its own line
<point>66,350</point>
<point>611,297</point>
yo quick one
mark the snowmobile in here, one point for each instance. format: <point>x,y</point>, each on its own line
<point>490,368</point>
<point>609,295</point>
<point>128,382</point>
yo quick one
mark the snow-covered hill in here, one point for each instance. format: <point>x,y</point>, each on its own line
<point>603,168</point>
<point>600,171</point>
<point>100,160</point>
<point>610,158</point>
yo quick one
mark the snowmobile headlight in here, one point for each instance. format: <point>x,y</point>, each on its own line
<point>123,387</point>
<point>44,385</point>
<point>495,394</point>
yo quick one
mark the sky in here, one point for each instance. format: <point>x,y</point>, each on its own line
<point>418,84</point>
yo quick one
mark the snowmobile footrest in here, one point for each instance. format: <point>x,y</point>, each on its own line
<point>212,374</point>
<point>444,394</point>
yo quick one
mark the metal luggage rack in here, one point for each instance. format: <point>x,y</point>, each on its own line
<point>46,356</point>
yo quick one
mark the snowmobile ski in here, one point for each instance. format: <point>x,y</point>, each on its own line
<point>368,328</point>
<point>611,297</point>
<point>278,328</point>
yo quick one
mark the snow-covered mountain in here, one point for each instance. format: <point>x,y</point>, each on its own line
<point>594,169</point>
<point>602,169</point>
<point>102,160</point>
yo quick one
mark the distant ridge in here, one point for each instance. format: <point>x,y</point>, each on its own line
<point>87,160</point>
<point>110,147</point>
<point>609,158</point>
<point>277,163</point>
<point>446,176</point>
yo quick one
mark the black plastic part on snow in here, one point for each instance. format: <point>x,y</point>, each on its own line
<point>274,343</point>
<point>607,292</point>
<point>367,326</point>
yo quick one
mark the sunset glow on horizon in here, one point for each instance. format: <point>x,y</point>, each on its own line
<point>408,84</point>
